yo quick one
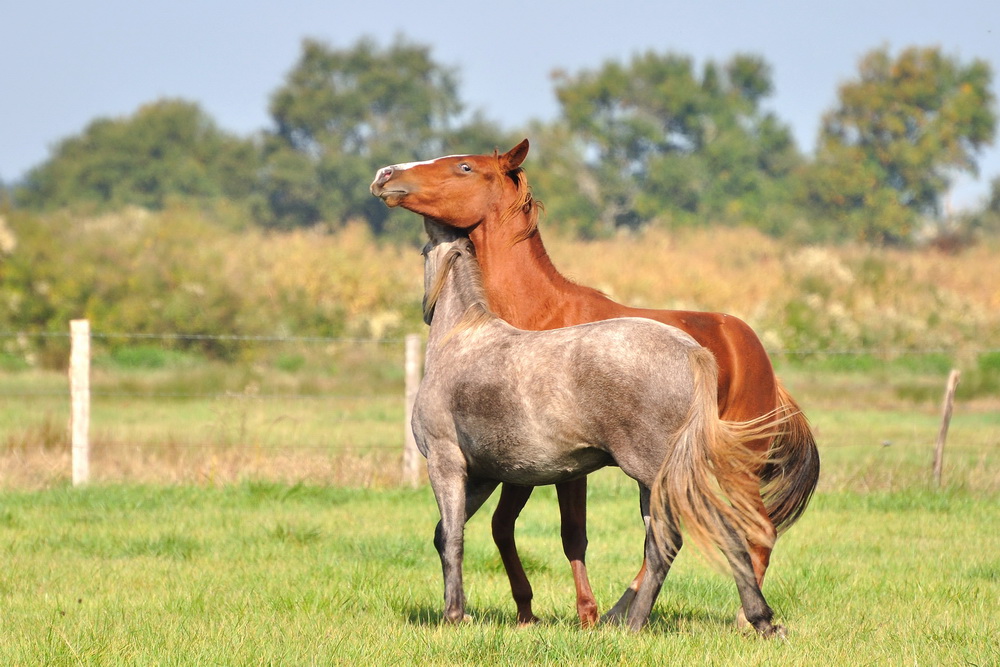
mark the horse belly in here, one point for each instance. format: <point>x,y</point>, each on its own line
<point>530,462</point>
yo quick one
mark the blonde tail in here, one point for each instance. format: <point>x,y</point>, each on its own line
<point>708,482</point>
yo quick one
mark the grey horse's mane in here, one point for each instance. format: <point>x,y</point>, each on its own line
<point>469,284</point>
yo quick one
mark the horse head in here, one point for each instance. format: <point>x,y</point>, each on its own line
<point>457,190</point>
<point>444,247</point>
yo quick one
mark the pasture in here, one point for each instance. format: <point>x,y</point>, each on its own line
<point>255,519</point>
<point>261,573</point>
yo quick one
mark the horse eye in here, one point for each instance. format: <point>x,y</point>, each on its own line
<point>465,167</point>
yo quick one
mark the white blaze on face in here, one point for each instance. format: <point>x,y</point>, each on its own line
<point>407,165</point>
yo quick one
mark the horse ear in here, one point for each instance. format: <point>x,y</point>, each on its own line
<point>513,158</point>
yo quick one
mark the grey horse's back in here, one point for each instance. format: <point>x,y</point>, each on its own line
<point>554,401</point>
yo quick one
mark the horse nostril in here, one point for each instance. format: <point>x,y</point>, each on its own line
<point>384,174</point>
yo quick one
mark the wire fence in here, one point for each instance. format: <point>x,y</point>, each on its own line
<point>301,407</point>
<point>184,337</point>
<point>884,352</point>
<point>327,407</point>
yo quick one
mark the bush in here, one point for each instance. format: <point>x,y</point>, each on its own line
<point>180,272</point>
<point>147,357</point>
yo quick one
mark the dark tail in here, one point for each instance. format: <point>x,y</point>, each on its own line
<point>789,477</point>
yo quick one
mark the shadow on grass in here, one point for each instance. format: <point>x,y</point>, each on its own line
<point>672,621</point>
<point>428,615</point>
<point>667,622</point>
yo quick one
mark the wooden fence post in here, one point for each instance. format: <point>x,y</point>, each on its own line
<point>949,400</point>
<point>411,456</point>
<point>79,389</point>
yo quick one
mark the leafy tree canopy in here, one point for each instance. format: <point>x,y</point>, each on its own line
<point>167,149</point>
<point>899,134</point>
<point>661,137</point>
<point>342,113</point>
<point>654,140</point>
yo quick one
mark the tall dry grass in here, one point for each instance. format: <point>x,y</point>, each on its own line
<point>811,297</point>
<point>373,286</point>
<point>181,271</point>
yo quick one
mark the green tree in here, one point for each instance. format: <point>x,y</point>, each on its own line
<point>984,221</point>
<point>342,113</point>
<point>662,139</point>
<point>562,181</point>
<point>899,134</point>
<point>167,149</point>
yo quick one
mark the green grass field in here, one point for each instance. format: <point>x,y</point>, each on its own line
<point>252,516</point>
<point>260,573</point>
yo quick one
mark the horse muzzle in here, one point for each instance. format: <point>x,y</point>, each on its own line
<point>392,194</point>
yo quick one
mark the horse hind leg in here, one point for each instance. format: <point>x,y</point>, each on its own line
<point>618,612</point>
<point>512,500</point>
<point>745,489</point>
<point>657,564</point>
<point>573,517</point>
<point>760,555</point>
<point>760,552</point>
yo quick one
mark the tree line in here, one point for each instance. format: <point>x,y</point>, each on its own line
<point>655,140</point>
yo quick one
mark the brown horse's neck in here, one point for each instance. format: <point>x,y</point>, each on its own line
<point>522,284</point>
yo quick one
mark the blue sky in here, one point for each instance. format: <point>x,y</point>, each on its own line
<point>64,64</point>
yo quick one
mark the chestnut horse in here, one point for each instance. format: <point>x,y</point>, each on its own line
<point>488,198</point>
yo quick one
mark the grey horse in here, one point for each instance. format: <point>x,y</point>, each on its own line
<point>499,404</point>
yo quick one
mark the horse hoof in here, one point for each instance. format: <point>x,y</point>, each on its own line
<point>765,629</point>
<point>527,622</point>
<point>616,615</point>
<point>612,618</point>
<point>769,631</point>
<point>778,631</point>
<point>636,625</point>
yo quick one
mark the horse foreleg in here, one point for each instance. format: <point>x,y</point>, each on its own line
<point>450,551</point>
<point>573,516</point>
<point>458,498</point>
<point>512,500</point>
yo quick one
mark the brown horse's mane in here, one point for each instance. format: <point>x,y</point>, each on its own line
<point>478,313</point>
<point>524,202</point>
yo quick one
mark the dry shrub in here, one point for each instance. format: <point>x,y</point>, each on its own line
<point>308,277</point>
<point>801,297</point>
<point>704,269</point>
